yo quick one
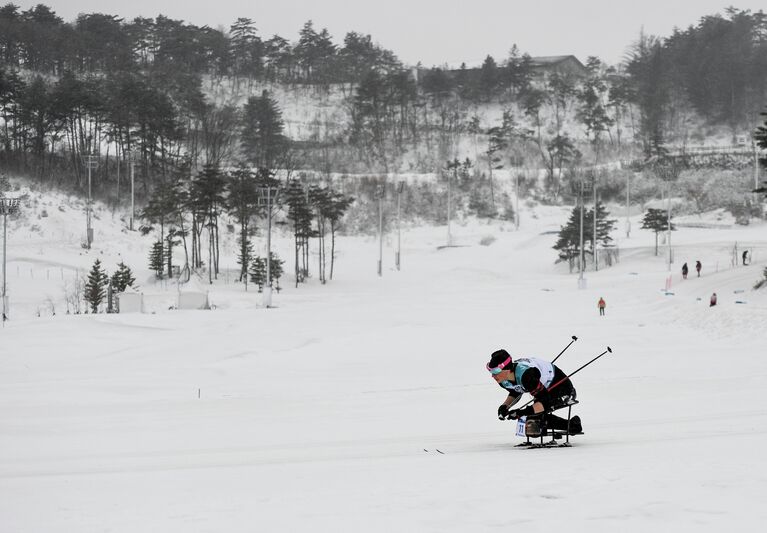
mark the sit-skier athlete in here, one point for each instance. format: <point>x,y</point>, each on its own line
<point>534,376</point>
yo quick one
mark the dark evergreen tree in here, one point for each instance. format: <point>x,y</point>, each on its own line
<point>246,48</point>
<point>760,137</point>
<point>122,278</point>
<point>604,226</point>
<point>166,209</point>
<point>334,211</point>
<point>157,258</point>
<point>242,204</point>
<point>276,268</point>
<point>300,214</point>
<point>258,272</point>
<point>657,221</point>
<point>95,287</point>
<point>568,242</point>
<point>206,201</point>
<point>263,143</point>
<point>489,79</point>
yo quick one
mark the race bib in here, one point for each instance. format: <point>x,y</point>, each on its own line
<point>521,426</point>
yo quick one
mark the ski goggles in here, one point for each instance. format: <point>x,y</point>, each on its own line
<point>498,369</point>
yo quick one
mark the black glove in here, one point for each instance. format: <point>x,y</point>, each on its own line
<point>515,414</point>
<point>503,411</point>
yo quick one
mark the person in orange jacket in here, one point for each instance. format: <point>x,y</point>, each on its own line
<point>601,304</point>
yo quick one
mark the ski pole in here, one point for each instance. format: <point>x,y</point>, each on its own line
<point>565,348</point>
<point>558,356</point>
<point>608,350</point>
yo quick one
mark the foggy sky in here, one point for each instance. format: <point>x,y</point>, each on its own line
<point>437,32</point>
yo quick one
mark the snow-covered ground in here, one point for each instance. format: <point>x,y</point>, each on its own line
<point>325,413</point>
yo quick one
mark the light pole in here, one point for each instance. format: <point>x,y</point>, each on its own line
<point>668,223</point>
<point>7,207</point>
<point>594,242</point>
<point>400,188</point>
<point>582,186</point>
<point>668,170</point>
<point>628,204</point>
<point>267,196</point>
<point>516,201</point>
<point>581,281</point>
<point>133,157</point>
<point>381,195</point>
<point>91,161</point>
<point>451,165</point>
<point>517,164</point>
<point>756,162</point>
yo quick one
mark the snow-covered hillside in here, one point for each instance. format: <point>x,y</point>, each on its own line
<point>325,413</point>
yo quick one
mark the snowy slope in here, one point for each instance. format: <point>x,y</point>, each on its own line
<point>316,415</point>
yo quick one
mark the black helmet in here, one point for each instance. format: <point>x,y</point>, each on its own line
<point>498,358</point>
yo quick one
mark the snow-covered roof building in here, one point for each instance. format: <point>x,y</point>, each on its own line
<point>543,65</point>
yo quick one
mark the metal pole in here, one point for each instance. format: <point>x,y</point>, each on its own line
<point>117,159</point>
<point>756,164</point>
<point>596,257</point>
<point>88,213</point>
<point>7,206</point>
<point>628,204</point>
<point>668,223</point>
<point>571,374</point>
<point>574,338</point>
<point>380,234</point>
<point>399,228</point>
<point>582,256</point>
<point>5,231</point>
<point>132,192</point>
<point>268,289</point>
<point>516,193</point>
<point>449,200</point>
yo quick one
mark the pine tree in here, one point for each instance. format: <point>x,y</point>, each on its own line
<point>300,214</point>
<point>122,278</point>
<point>276,270</point>
<point>568,243</point>
<point>263,142</point>
<point>604,226</point>
<point>657,221</point>
<point>339,204</point>
<point>95,287</point>
<point>156,258</point>
<point>258,272</point>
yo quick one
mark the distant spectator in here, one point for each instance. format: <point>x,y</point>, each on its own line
<point>712,303</point>
<point>698,266</point>
<point>745,257</point>
<point>685,270</point>
<point>601,304</point>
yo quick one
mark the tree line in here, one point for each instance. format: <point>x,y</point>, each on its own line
<point>37,39</point>
<point>715,69</point>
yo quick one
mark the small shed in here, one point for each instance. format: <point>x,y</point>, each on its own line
<point>130,302</point>
<point>193,300</point>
